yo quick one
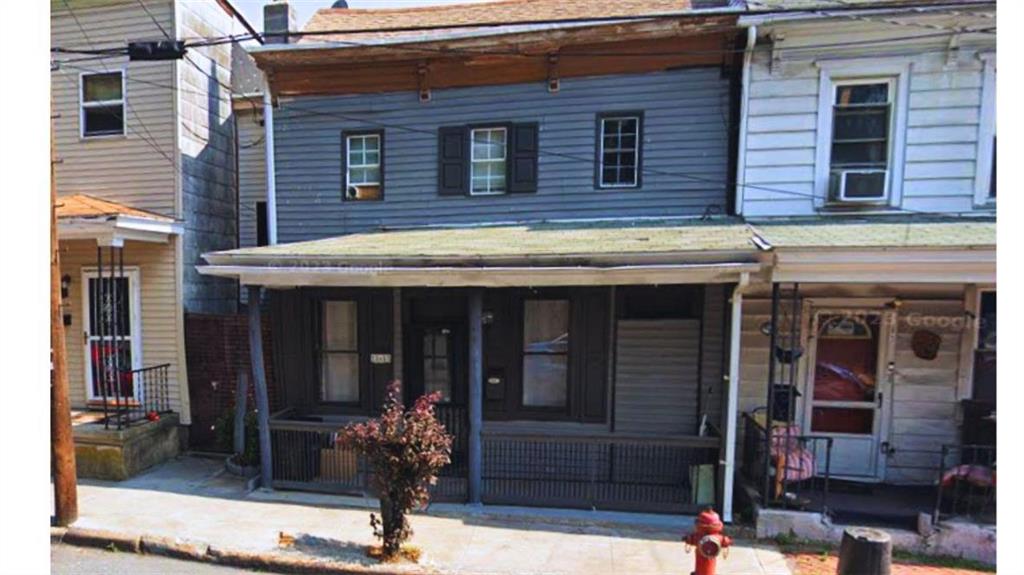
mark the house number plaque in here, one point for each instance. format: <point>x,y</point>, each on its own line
<point>380,358</point>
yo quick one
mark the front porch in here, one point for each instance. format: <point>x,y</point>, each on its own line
<point>580,365</point>
<point>120,327</point>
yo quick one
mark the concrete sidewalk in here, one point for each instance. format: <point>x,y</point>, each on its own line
<point>193,499</point>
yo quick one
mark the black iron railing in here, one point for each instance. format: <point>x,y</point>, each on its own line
<point>608,471</point>
<point>795,474</point>
<point>130,397</point>
<point>967,483</point>
<point>305,456</point>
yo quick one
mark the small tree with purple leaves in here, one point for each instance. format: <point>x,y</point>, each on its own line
<point>406,449</point>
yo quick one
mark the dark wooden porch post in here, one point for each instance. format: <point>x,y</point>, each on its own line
<point>259,379</point>
<point>476,395</point>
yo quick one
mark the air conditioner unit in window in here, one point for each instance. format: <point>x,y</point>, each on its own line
<point>859,186</point>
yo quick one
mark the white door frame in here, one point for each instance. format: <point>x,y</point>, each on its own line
<point>135,319</point>
<point>888,317</point>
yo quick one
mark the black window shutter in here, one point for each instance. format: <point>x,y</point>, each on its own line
<point>452,161</point>
<point>522,167</point>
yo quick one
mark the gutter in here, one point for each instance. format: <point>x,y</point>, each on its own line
<point>741,158</point>
<point>268,139</point>
<point>735,333</point>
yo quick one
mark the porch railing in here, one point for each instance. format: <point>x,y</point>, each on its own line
<point>795,474</point>
<point>305,457</point>
<point>609,471</point>
<point>967,483</point>
<point>135,396</point>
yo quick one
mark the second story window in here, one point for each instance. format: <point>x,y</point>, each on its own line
<point>619,151</point>
<point>364,161</point>
<point>487,160</point>
<point>102,104</point>
<point>861,126</point>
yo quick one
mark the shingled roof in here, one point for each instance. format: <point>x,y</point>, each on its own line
<point>86,206</point>
<point>395,23</point>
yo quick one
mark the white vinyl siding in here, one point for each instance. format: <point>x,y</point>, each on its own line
<point>943,113</point>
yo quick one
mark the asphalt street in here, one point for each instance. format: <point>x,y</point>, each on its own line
<point>71,560</point>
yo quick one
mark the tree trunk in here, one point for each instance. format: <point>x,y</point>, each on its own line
<point>392,526</point>
<point>865,551</point>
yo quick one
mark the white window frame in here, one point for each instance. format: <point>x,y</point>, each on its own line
<point>82,104</point>
<point>636,153</point>
<point>862,71</point>
<point>135,319</point>
<point>473,161</point>
<point>986,133</point>
<point>349,165</point>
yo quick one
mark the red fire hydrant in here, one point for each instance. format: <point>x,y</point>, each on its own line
<point>709,540</point>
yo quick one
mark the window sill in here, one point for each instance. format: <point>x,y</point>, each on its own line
<point>102,137</point>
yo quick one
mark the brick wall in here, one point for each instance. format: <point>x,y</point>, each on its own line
<point>217,350</point>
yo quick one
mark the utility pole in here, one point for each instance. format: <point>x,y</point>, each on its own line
<point>62,443</point>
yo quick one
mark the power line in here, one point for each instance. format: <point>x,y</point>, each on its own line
<point>726,184</point>
<point>148,138</point>
<point>838,11</point>
<point>155,21</point>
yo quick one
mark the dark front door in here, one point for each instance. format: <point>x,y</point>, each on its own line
<point>435,362</point>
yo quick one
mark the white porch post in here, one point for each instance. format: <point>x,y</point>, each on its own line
<point>732,404</point>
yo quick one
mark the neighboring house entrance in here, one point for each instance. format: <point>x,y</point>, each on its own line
<point>847,388</point>
<point>112,333</point>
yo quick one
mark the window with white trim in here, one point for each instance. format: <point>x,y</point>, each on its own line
<point>861,140</point>
<point>619,155</point>
<point>339,352</point>
<point>363,174</point>
<point>487,166</point>
<point>102,104</point>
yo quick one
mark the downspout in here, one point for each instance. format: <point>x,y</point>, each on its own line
<point>732,405</point>
<point>268,138</point>
<point>741,153</point>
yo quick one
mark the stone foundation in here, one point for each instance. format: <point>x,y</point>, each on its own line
<point>117,455</point>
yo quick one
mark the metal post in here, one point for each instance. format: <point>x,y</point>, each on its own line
<point>770,409</point>
<point>101,330</point>
<point>476,384</point>
<point>260,385</point>
<point>732,399</point>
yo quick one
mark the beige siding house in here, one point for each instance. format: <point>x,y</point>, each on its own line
<point>145,182</point>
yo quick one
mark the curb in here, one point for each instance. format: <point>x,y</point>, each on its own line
<point>205,553</point>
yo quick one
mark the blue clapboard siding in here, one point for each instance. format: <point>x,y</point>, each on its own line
<point>686,118</point>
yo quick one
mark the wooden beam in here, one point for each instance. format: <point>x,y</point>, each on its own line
<point>476,393</point>
<point>260,382</point>
<point>241,397</point>
<point>359,73</point>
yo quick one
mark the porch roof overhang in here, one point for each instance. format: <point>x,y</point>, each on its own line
<point>85,217</point>
<point>887,251</point>
<point>535,254</point>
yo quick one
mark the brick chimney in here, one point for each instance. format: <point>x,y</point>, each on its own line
<point>278,21</point>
